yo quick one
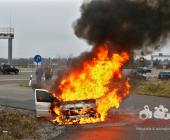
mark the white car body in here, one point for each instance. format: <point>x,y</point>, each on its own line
<point>44,103</point>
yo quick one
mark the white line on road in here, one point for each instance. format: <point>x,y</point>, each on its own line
<point>13,79</point>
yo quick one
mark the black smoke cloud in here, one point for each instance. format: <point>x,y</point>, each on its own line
<point>128,25</point>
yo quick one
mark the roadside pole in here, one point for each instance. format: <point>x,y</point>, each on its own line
<point>30,80</point>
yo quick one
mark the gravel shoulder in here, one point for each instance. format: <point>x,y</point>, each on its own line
<point>46,129</point>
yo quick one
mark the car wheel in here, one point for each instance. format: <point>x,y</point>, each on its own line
<point>16,72</point>
<point>5,72</point>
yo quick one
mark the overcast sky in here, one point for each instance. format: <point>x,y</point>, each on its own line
<point>43,28</point>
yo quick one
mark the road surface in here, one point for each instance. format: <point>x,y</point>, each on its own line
<point>118,125</point>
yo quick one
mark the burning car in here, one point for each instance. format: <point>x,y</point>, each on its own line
<point>45,102</point>
<point>87,93</point>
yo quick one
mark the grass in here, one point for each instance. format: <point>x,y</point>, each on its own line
<point>152,86</point>
<point>25,85</point>
<point>16,126</point>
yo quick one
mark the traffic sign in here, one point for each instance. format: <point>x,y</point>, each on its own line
<point>37,58</point>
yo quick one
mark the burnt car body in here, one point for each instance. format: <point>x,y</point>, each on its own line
<point>8,68</point>
<point>44,102</point>
<point>164,75</point>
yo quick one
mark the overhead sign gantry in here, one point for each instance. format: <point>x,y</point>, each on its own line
<point>8,33</point>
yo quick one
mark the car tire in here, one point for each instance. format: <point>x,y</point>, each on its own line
<point>5,72</point>
<point>16,72</point>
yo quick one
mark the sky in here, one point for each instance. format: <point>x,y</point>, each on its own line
<point>44,27</point>
<point>41,28</point>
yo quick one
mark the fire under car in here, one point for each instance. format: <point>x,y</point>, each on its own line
<point>44,102</point>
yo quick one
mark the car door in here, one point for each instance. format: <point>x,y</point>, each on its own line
<point>12,68</point>
<point>7,68</point>
<point>43,103</point>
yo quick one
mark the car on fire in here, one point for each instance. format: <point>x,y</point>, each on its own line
<point>45,102</point>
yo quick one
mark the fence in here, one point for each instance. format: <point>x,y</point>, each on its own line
<point>7,30</point>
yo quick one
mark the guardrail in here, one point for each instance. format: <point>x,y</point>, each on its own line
<point>7,30</point>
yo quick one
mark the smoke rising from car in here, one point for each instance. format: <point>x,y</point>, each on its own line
<point>122,25</point>
<point>128,24</point>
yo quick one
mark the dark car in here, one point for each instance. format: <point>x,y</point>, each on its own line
<point>164,75</point>
<point>7,68</point>
<point>144,70</point>
<point>135,76</point>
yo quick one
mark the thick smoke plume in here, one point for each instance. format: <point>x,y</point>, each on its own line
<point>128,25</point>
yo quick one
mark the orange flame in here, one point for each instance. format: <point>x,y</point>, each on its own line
<point>40,99</point>
<point>91,82</point>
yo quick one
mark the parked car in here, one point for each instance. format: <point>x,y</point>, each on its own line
<point>164,75</point>
<point>7,68</point>
<point>135,76</point>
<point>144,70</point>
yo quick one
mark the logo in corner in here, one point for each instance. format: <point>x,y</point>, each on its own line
<point>160,113</point>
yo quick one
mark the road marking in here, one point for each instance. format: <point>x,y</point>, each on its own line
<point>13,79</point>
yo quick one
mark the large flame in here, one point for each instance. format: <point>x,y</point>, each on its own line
<point>91,82</point>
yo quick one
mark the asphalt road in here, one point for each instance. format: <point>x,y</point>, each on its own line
<point>11,94</point>
<point>118,125</point>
